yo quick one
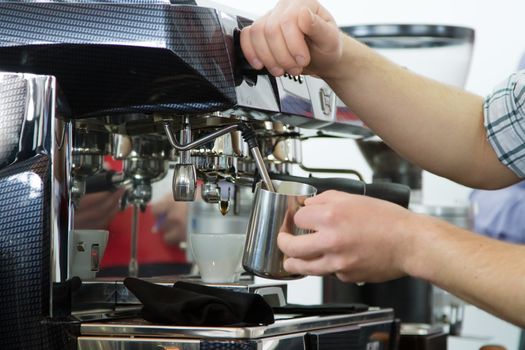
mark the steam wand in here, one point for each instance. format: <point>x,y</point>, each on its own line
<point>248,134</point>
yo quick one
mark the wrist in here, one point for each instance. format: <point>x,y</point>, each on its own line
<point>345,67</point>
<point>416,234</point>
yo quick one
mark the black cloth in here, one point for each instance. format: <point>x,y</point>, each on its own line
<point>189,304</point>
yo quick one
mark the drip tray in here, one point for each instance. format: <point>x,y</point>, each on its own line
<point>284,324</point>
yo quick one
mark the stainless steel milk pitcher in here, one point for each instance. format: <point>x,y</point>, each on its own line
<point>273,212</point>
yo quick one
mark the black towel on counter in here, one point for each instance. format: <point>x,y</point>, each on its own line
<point>320,310</point>
<point>189,304</point>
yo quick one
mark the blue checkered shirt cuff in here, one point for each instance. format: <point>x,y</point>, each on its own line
<point>504,112</point>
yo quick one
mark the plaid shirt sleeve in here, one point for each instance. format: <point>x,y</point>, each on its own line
<point>504,113</point>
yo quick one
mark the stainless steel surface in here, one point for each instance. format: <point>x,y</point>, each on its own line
<point>261,167</point>
<point>199,142</point>
<point>184,176</point>
<point>285,324</point>
<point>247,169</point>
<point>210,192</point>
<point>181,177</point>
<point>185,138</point>
<point>87,158</point>
<point>143,169</point>
<point>274,296</point>
<point>140,193</point>
<point>83,166</point>
<point>184,182</point>
<point>294,91</point>
<point>115,343</point>
<point>87,248</point>
<point>332,171</point>
<point>133,266</point>
<point>379,333</point>
<point>225,167</point>
<point>147,159</point>
<point>448,311</point>
<point>420,329</point>
<point>273,212</point>
<point>146,163</point>
<point>286,150</point>
<point>48,133</point>
<point>34,126</point>
<point>229,144</point>
<point>121,146</point>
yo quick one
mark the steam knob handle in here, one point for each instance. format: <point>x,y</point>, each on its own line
<point>184,183</point>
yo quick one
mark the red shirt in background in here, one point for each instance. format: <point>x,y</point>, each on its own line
<point>151,249</point>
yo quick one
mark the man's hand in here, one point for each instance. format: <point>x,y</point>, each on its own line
<point>171,218</point>
<point>357,238</point>
<point>296,36</point>
<point>96,210</point>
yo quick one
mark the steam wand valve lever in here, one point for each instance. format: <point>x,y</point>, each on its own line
<point>248,134</point>
<point>243,70</point>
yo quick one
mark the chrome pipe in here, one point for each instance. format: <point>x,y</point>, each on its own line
<point>203,140</point>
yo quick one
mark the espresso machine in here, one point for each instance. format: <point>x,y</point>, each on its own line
<point>154,84</point>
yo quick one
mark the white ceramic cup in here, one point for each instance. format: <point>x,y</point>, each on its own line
<point>217,255</point>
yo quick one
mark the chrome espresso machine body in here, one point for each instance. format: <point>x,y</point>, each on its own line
<point>147,83</point>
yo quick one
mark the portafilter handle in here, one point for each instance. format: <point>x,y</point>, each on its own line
<point>104,181</point>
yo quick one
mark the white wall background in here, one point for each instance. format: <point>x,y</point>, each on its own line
<point>500,41</point>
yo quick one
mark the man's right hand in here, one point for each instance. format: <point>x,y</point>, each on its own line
<point>296,37</point>
<point>171,217</point>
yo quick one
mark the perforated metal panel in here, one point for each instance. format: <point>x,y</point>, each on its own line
<point>24,256</point>
<point>110,57</point>
<point>12,111</point>
<point>228,345</point>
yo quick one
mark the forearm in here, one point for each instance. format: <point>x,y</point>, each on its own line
<point>482,271</point>
<point>435,126</point>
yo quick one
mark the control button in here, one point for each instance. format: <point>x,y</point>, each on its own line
<point>95,257</point>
